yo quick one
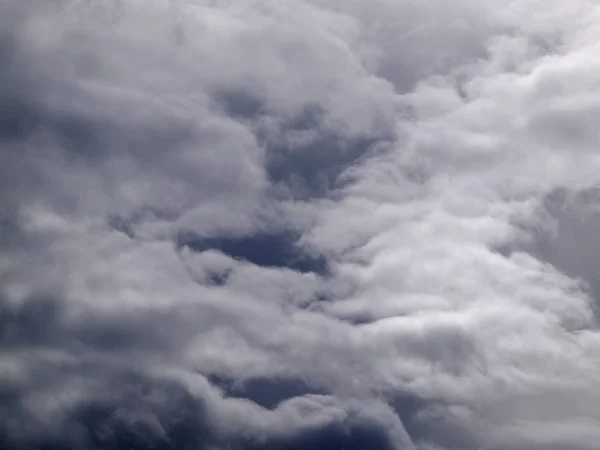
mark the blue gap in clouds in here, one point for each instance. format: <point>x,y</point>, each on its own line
<point>305,157</point>
<point>266,392</point>
<point>276,249</point>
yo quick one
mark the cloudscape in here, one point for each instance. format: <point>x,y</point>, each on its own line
<point>300,224</point>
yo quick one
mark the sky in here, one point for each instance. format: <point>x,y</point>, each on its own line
<point>299,224</point>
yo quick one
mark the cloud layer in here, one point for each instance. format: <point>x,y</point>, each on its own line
<point>299,224</point>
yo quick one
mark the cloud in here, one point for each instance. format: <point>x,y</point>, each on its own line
<point>298,224</point>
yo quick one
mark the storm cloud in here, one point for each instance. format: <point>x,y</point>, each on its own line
<point>299,224</point>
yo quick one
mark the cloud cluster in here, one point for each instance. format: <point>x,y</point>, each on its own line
<point>299,224</point>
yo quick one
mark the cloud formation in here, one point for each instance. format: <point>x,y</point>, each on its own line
<point>299,224</point>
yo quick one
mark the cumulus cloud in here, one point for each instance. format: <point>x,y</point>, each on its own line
<point>299,224</point>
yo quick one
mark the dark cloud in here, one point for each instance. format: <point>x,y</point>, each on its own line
<point>141,413</point>
<point>136,413</point>
<point>30,324</point>
<point>241,104</point>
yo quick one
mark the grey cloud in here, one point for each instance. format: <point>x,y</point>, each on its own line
<point>569,240</point>
<point>298,224</point>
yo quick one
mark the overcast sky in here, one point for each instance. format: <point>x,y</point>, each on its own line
<point>299,224</point>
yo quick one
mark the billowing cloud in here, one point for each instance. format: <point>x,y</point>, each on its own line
<point>299,224</point>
